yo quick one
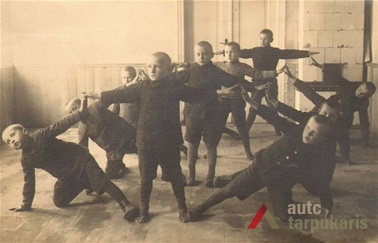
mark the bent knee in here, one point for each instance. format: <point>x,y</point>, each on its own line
<point>61,203</point>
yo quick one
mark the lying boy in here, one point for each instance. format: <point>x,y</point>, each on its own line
<point>109,131</point>
<point>159,129</point>
<point>351,97</point>
<point>276,166</point>
<point>70,163</point>
<point>235,103</point>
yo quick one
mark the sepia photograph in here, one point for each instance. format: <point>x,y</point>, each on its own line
<point>189,121</point>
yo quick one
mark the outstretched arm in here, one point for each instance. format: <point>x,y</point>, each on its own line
<point>286,110</point>
<point>63,124</point>
<point>267,114</point>
<point>302,87</point>
<point>294,54</point>
<point>263,74</point>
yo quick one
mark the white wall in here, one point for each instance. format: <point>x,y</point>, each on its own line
<point>82,32</point>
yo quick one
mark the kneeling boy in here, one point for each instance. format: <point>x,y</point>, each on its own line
<point>72,164</point>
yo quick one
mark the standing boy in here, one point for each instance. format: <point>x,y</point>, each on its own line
<point>159,129</point>
<point>128,111</point>
<point>266,57</point>
<point>71,163</point>
<point>235,103</point>
<point>206,120</point>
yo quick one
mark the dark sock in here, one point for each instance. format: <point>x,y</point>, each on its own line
<point>145,194</point>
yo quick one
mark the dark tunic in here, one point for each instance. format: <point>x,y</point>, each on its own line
<point>107,130</point>
<point>159,119</point>
<point>266,58</point>
<point>64,160</point>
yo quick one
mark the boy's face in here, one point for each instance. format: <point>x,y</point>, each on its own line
<point>265,40</point>
<point>158,68</point>
<point>329,112</point>
<point>231,54</point>
<point>363,92</point>
<point>313,132</point>
<point>75,107</point>
<point>15,138</point>
<point>203,55</point>
<point>127,77</point>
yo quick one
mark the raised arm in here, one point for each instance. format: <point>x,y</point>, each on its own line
<point>302,87</point>
<point>63,124</point>
<point>273,118</point>
<point>82,133</point>
<point>294,114</point>
<point>267,114</point>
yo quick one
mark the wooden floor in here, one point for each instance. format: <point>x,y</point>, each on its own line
<point>99,219</point>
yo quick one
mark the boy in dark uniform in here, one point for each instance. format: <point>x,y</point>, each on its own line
<point>206,120</point>
<point>109,131</point>
<point>235,103</point>
<point>276,166</point>
<point>266,57</point>
<point>71,163</point>
<point>352,97</point>
<point>159,129</point>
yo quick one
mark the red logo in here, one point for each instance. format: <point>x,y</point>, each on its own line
<point>263,212</point>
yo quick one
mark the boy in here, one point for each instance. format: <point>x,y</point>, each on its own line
<point>70,163</point>
<point>266,57</point>
<point>350,97</point>
<point>353,96</point>
<point>109,131</point>
<point>235,103</point>
<point>129,112</point>
<point>276,165</point>
<point>208,119</point>
<point>159,129</point>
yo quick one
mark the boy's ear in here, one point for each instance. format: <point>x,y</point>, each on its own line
<point>271,39</point>
<point>25,131</point>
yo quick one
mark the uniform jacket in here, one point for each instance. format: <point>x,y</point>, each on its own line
<point>159,119</point>
<point>240,70</point>
<point>128,112</point>
<point>289,152</point>
<point>63,160</point>
<point>104,127</point>
<point>266,58</point>
<point>209,77</point>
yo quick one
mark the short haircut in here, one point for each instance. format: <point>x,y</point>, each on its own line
<point>370,86</point>
<point>205,44</point>
<point>267,32</point>
<point>326,123</point>
<point>130,69</point>
<point>11,127</point>
<point>71,102</point>
<point>234,44</point>
<point>333,103</point>
<point>163,56</point>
